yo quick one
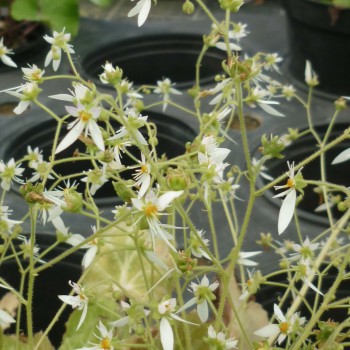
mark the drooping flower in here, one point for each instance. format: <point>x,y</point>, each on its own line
<point>4,52</point>
<point>85,120</point>
<point>151,206</point>
<point>219,341</point>
<point>197,242</point>
<point>33,74</point>
<point>142,176</point>
<point>10,172</point>
<point>59,41</point>
<point>141,9</point>
<point>80,301</point>
<point>6,224</point>
<point>294,182</point>
<point>26,93</point>
<point>311,77</point>
<point>166,309</point>
<point>203,293</point>
<point>165,87</point>
<point>284,328</point>
<point>96,178</point>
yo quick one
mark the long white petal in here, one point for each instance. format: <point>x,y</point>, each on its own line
<point>136,9</point>
<point>166,198</point>
<point>287,211</point>
<point>278,313</point>
<point>203,311</point>
<point>342,157</point>
<point>166,334</point>
<point>144,12</point>
<point>270,110</point>
<point>83,315</point>
<point>8,61</point>
<point>22,106</point>
<point>270,330</point>
<point>89,256</point>
<point>96,135</point>
<point>70,138</point>
<point>62,97</point>
<point>122,322</point>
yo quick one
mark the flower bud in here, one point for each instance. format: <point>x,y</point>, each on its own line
<point>73,200</point>
<point>177,180</point>
<point>231,5</point>
<point>272,146</point>
<point>188,7</point>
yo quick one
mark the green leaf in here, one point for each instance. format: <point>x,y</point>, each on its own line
<point>61,14</point>
<point>103,309</point>
<point>10,343</point>
<point>25,10</point>
<point>57,14</point>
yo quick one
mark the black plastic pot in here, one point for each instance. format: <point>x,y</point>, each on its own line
<point>151,58</point>
<point>48,285</point>
<point>323,39</point>
<point>172,136</point>
<point>269,295</point>
<point>337,173</point>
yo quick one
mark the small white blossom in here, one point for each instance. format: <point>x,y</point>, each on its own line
<point>288,204</point>
<point>311,77</point>
<point>165,87</point>
<point>151,207</point>
<point>105,339</point>
<point>141,9</point>
<point>79,301</point>
<point>220,341</point>
<point>59,42</point>
<point>85,120</point>
<point>284,326</point>
<point>143,176</point>
<point>4,52</point>
<point>33,73</point>
<point>5,319</point>
<point>10,172</point>
<point>202,293</point>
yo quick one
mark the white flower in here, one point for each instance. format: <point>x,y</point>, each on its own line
<point>132,134</point>
<point>6,223</point>
<point>33,73</point>
<point>79,301</point>
<point>202,293</point>
<point>96,178</point>
<point>284,328</point>
<point>26,93</point>
<point>143,176</point>
<point>271,61</point>
<point>243,258</point>
<point>311,77</point>
<point>58,42</point>
<point>141,9</point>
<point>167,309</point>
<point>288,204</point>
<point>258,95</point>
<point>86,119</point>
<point>34,157</point>
<point>304,271</point>
<point>91,247</point>
<point>105,339</point>
<point>305,250</point>
<point>81,94</point>
<point>197,244</point>
<point>219,340</point>
<point>151,206</point>
<point>238,32</point>
<point>261,168</point>
<point>165,88</point>
<point>10,172</point>
<point>4,52</point>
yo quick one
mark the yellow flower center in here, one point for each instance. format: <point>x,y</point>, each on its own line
<point>290,183</point>
<point>150,209</point>
<point>85,116</point>
<point>105,344</point>
<point>284,327</point>
<point>144,169</point>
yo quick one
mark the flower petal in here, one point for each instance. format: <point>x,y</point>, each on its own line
<point>287,211</point>
<point>342,157</point>
<point>70,138</point>
<point>166,334</point>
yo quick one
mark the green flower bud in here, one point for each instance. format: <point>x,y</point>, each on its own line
<point>231,5</point>
<point>74,201</point>
<point>188,7</point>
<point>272,146</point>
<point>177,180</point>
<point>123,191</point>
